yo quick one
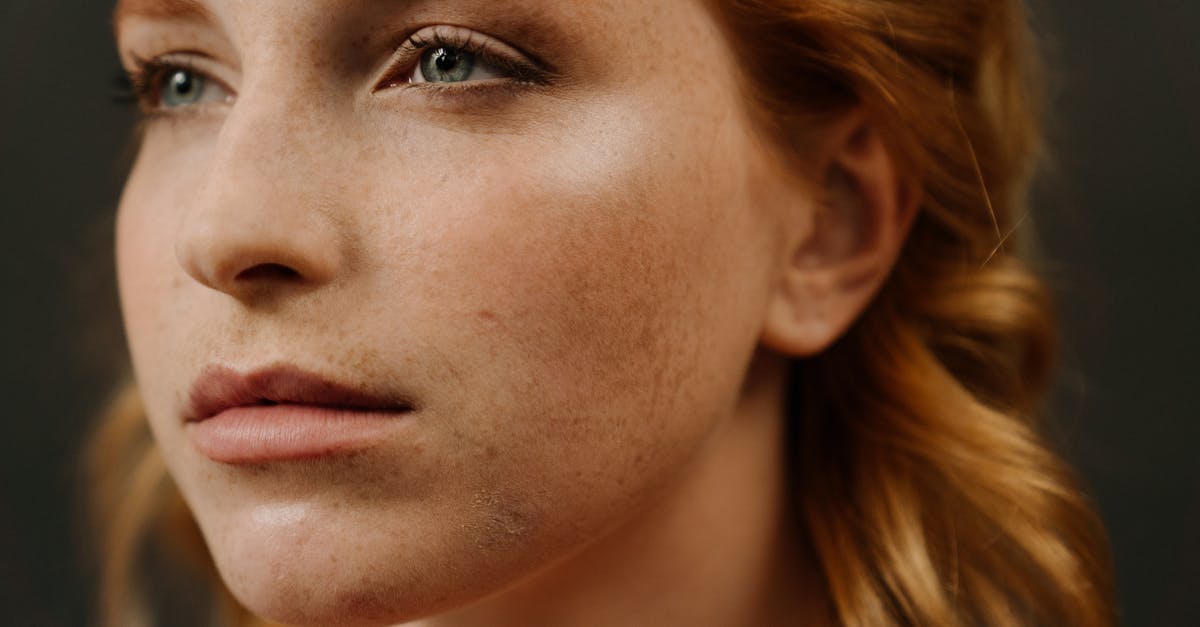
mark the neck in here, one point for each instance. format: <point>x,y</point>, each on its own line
<point>721,547</point>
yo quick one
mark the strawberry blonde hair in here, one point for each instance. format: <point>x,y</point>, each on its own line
<point>926,490</point>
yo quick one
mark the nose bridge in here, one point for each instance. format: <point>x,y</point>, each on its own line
<point>262,218</point>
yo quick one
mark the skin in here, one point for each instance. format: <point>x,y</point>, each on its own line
<point>588,288</point>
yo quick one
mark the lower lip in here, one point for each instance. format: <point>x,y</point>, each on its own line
<point>271,433</point>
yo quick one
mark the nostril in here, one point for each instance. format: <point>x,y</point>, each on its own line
<point>268,271</point>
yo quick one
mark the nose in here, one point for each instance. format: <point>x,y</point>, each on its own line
<point>258,223</point>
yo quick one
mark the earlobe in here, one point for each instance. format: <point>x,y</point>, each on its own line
<point>864,209</point>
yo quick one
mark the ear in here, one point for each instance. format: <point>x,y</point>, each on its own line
<point>839,256</point>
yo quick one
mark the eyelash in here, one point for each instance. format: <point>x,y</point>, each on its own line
<point>143,84</point>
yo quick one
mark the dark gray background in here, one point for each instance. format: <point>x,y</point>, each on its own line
<point>1117,216</point>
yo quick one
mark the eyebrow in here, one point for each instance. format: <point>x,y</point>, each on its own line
<point>192,10</point>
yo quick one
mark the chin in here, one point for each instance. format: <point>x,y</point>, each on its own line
<point>299,588</point>
<point>351,606</point>
<point>328,565</point>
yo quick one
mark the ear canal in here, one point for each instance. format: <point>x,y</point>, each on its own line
<point>840,220</point>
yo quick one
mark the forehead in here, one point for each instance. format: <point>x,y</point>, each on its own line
<point>160,9</point>
<point>198,9</point>
<point>576,13</point>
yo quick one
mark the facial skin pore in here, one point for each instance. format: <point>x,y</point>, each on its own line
<point>571,281</point>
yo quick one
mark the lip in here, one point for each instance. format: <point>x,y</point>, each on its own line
<point>285,413</point>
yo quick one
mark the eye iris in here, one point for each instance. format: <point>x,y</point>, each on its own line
<point>182,88</point>
<point>447,65</point>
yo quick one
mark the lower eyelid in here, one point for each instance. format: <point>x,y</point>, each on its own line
<point>486,98</point>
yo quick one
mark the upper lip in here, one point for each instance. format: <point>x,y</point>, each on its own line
<point>219,388</point>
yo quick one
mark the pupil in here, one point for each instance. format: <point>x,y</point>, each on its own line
<point>446,60</point>
<point>183,83</point>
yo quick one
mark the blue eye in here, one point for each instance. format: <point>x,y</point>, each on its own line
<point>177,87</point>
<point>182,88</point>
<point>166,84</point>
<point>450,64</point>
<point>447,65</point>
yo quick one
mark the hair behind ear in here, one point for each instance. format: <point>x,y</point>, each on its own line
<point>929,495</point>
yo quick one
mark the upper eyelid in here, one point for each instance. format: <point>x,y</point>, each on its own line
<point>460,36</point>
<point>191,60</point>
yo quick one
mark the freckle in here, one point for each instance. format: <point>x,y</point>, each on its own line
<point>490,452</point>
<point>489,316</point>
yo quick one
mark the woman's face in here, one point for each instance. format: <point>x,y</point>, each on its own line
<point>553,256</point>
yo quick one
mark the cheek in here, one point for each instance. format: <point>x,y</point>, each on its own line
<point>145,259</point>
<point>158,304</point>
<point>596,298</point>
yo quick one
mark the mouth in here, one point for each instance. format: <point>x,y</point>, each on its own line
<point>285,413</point>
